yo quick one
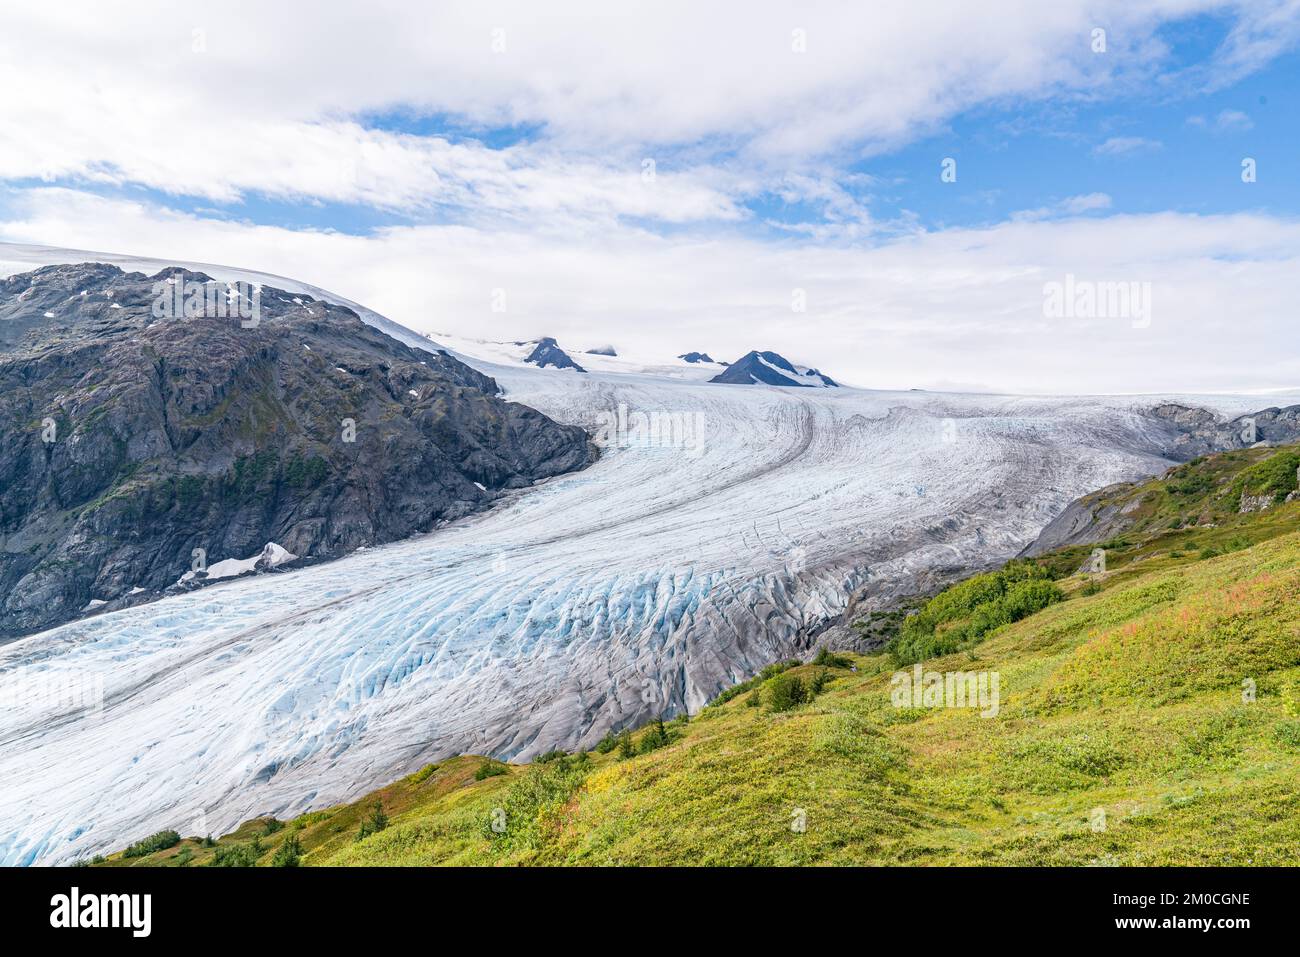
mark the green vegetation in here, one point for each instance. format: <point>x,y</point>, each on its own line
<point>967,613</point>
<point>233,855</point>
<point>422,775</point>
<point>768,672</point>
<point>373,824</point>
<point>785,691</point>
<point>289,853</point>
<point>490,769</point>
<point>626,749</point>
<point>655,737</point>
<point>1275,475</point>
<point>1169,697</point>
<point>154,842</point>
<point>827,659</point>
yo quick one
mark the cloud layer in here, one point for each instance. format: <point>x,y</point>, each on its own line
<point>962,308</point>
<point>611,168</point>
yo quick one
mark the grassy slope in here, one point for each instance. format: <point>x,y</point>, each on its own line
<point>1128,700</point>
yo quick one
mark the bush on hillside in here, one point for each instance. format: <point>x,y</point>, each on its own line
<point>626,749</point>
<point>375,823</point>
<point>655,737</point>
<point>968,611</point>
<point>754,682</point>
<point>422,775</point>
<point>289,853</point>
<point>818,684</point>
<point>490,769</point>
<point>534,803</point>
<point>153,843</point>
<point>827,659</point>
<point>233,855</point>
<point>785,691</point>
<point>1275,476</point>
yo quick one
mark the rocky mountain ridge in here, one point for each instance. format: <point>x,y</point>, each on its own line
<point>136,449</point>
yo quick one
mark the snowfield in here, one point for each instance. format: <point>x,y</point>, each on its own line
<point>721,528</point>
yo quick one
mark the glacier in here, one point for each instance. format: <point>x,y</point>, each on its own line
<point>643,585</point>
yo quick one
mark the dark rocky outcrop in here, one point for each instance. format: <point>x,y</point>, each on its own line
<point>695,357</point>
<point>1089,519</point>
<point>1191,433</point>
<point>128,441</point>
<point>548,353</point>
<point>1201,432</point>
<point>770,368</point>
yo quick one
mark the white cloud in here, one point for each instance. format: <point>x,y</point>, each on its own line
<point>1228,121</point>
<point>1125,146</point>
<point>963,305</point>
<point>219,99</point>
<point>1070,206</point>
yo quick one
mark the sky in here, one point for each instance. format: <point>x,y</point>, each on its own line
<point>898,193</point>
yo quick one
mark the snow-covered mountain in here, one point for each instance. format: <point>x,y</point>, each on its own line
<point>718,531</point>
<point>547,353</point>
<point>769,368</point>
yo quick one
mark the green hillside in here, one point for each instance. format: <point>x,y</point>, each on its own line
<point>1149,714</point>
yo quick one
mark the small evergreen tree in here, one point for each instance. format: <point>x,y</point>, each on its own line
<point>375,823</point>
<point>289,853</point>
<point>626,749</point>
<point>818,683</point>
<point>656,736</point>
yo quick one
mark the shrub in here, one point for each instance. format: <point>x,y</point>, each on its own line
<point>968,611</point>
<point>271,826</point>
<point>490,769</point>
<point>550,756</point>
<point>768,672</point>
<point>233,855</point>
<point>608,743</point>
<point>422,775</point>
<point>818,684</point>
<point>1091,588</point>
<point>375,823</point>
<point>755,698</point>
<point>1275,476</point>
<point>655,737</point>
<point>828,660</point>
<point>154,842</point>
<point>1288,733</point>
<point>626,749</point>
<point>289,853</point>
<point>785,691</point>
<point>534,803</point>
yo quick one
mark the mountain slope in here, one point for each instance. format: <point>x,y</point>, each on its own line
<point>129,442</point>
<point>548,353</point>
<point>1211,492</point>
<point>1155,721</point>
<point>768,368</point>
